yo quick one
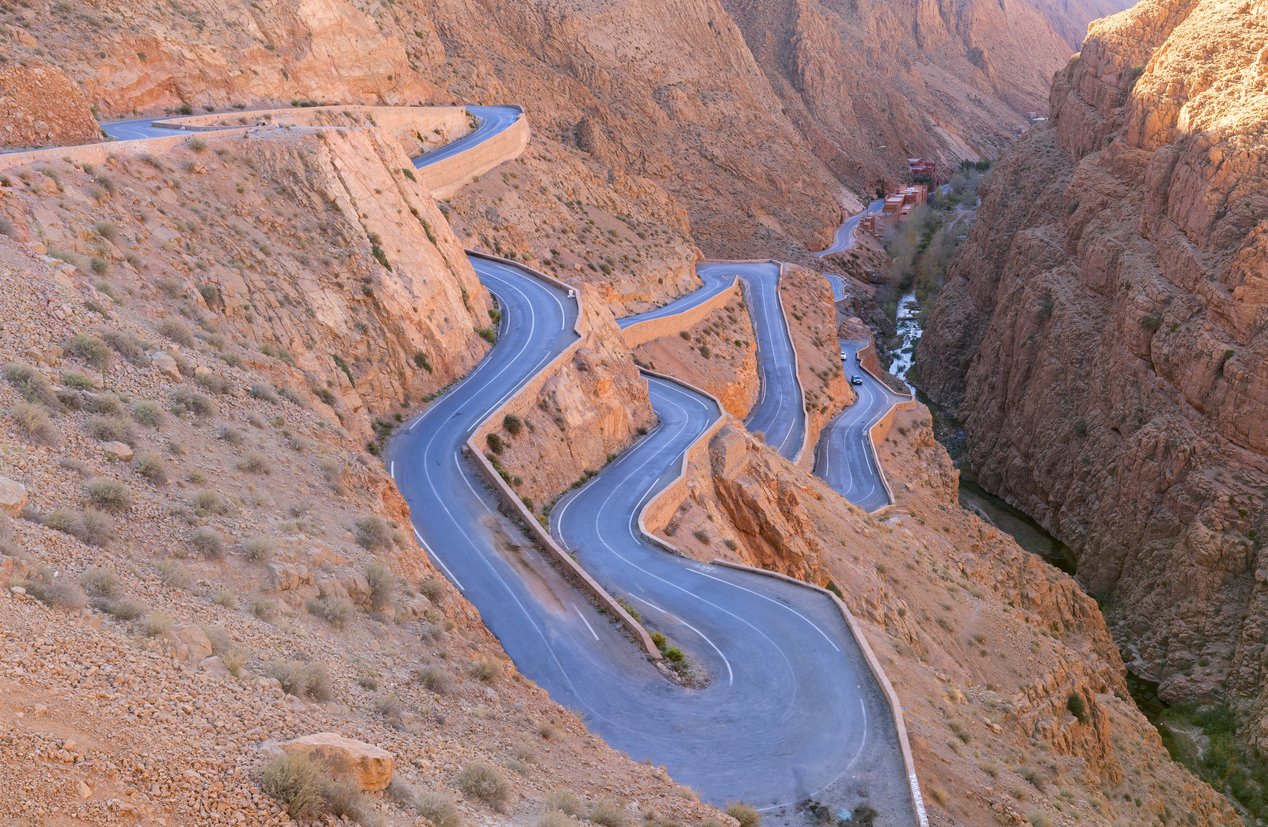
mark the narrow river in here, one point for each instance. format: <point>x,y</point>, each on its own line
<point>1028,533</point>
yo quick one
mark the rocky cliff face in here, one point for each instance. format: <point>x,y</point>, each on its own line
<point>747,127</point>
<point>1102,337</point>
<point>41,107</point>
<point>871,83</point>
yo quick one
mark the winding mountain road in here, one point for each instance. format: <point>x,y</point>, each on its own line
<point>845,456</point>
<point>779,414</point>
<point>844,237</point>
<point>791,712</point>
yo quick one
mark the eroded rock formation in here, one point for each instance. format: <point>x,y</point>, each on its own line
<point>1102,336</point>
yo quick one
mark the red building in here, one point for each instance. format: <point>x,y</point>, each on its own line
<point>922,168</point>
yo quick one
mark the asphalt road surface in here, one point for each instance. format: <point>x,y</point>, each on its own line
<point>491,120</point>
<point>844,238</point>
<point>779,414</point>
<point>714,282</point>
<point>845,457</point>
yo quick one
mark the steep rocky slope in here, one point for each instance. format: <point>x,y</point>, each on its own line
<point>275,239</point>
<point>42,107</point>
<point>1103,339</point>
<point>871,83</point>
<point>645,120</point>
<point>203,559</point>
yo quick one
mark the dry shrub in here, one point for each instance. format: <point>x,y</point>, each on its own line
<point>304,680</point>
<point>108,494</point>
<point>36,421</point>
<point>486,783</point>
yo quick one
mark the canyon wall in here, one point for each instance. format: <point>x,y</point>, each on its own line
<point>873,83</point>
<point>1102,337</point>
<point>741,117</point>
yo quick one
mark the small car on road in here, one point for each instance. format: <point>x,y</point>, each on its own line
<point>856,380</point>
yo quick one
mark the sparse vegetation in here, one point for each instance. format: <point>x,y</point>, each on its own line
<point>188,401</point>
<point>609,814</point>
<point>255,463</point>
<point>110,429</point>
<point>434,679</point>
<point>152,467</point>
<point>483,782</point>
<point>34,419</point>
<point>382,585</point>
<point>146,413</point>
<point>90,526</point>
<point>210,502</point>
<point>487,669</point>
<point>31,384</point>
<point>176,330</point>
<point>54,591</point>
<point>336,611</point>
<point>208,543</point>
<point>91,350</point>
<point>108,494</point>
<point>257,549</point>
<point>303,680</point>
<point>375,533</point>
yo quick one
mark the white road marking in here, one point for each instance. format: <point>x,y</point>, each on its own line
<point>583,620</point>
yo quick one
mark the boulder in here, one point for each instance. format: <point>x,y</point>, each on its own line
<point>119,450</point>
<point>12,497</point>
<point>189,641</point>
<point>284,577</point>
<point>166,364</point>
<point>367,766</point>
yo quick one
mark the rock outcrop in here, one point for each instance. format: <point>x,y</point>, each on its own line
<point>40,106</point>
<point>369,767</point>
<point>1103,338</point>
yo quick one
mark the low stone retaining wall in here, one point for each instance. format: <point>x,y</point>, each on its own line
<point>660,509</point>
<point>650,330</point>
